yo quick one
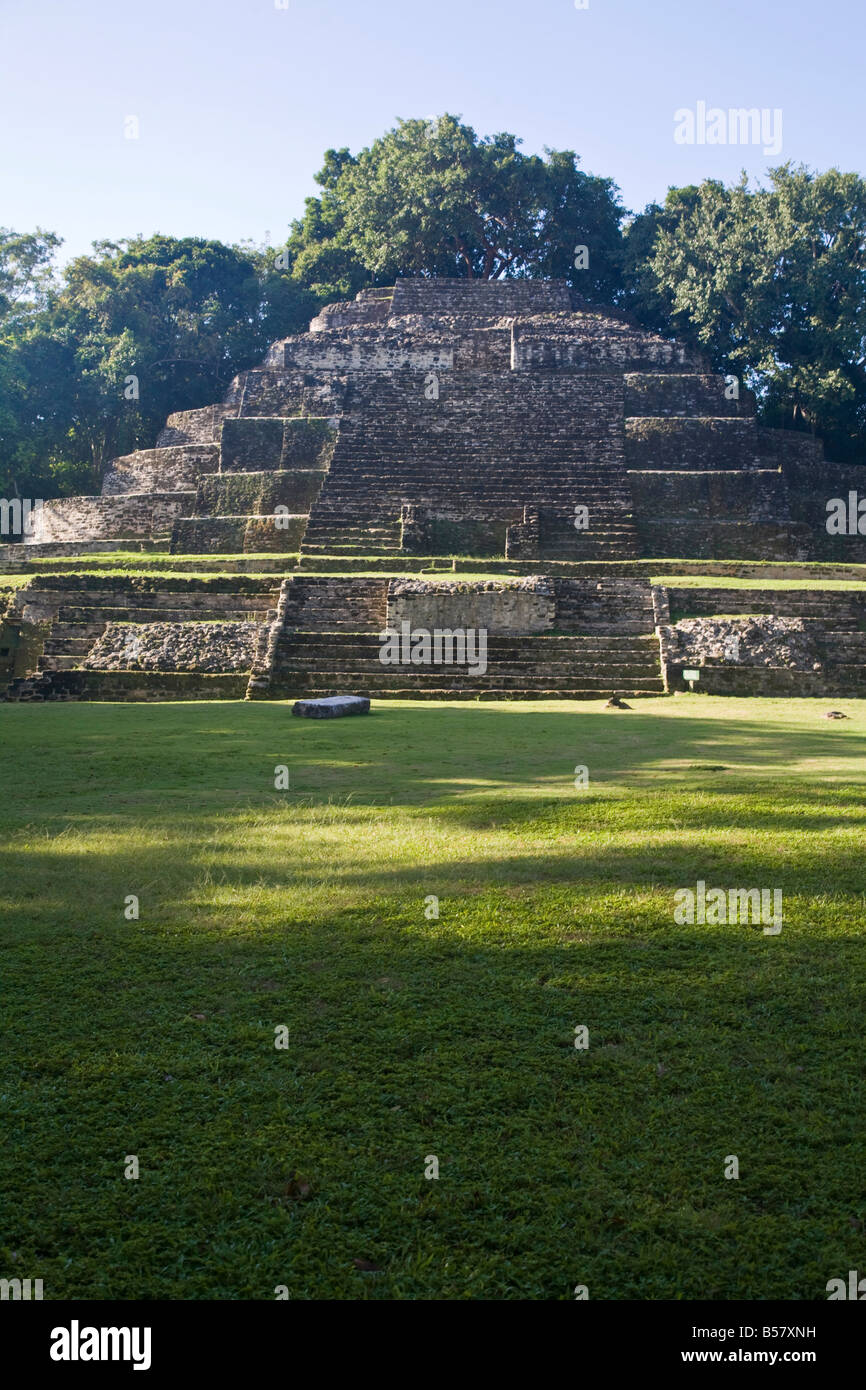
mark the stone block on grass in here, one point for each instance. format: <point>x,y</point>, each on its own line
<point>332,707</point>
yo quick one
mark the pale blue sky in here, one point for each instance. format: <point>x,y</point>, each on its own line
<point>238,99</point>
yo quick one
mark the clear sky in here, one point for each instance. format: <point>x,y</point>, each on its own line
<point>238,99</point>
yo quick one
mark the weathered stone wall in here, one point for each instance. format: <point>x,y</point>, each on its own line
<point>482,350</point>
<point>692,444</point>
<point>369,306</point>
<point>257,494</point>
<point>129,516</point>
<point>222,535</point>
<point>151,686</point>
<point>21,646</point>
<point>207,647</point>
<point>175,469</point>
<point>523,605</point>
<point>788,449</point>
<point>483,298</point>
<point>200,426</point>
<point>717,514</point>
<point>838,606</point>
<point>711,495</point>
<point>288,392</point>
<point>74,597</point>
<point>680,393</point>
<point>256,445</point>
<point>237,535</point>
<point>360,352</point>
<point>674,538</point>
<point>278,535</point>
<point>590,343</point>
<point>811,485</point>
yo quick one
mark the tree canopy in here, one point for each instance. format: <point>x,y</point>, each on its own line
<point>91,364</point>
<point>432,198</point>
<point>772,283</point>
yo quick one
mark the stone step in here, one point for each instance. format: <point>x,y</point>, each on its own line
<point>559,646</point>
<point>59,662</point>
<point>503,673</point>
<point>98,617</point>
<point>449,676</point>
<point>489,693</point>
<point>67,646</point>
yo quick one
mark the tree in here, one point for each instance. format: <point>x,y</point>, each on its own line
<point>431,198</point>
<point>772,283</point>
<point>26,273</point>
<point>92,363</point>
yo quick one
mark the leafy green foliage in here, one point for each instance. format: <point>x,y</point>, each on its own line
<point>772,282</point>
<point>432,198</point>
<point>181,317</point>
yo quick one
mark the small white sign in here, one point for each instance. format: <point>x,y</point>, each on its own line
<point>691,675</point>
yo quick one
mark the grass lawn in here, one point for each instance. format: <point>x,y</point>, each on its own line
<point>411,1036</point>
<point>722,581</point>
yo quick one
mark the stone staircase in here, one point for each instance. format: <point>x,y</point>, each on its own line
<point>832,621</point>
<point>518,668</point>
<point>79,623</point>
<point>327,639</point>
<point>485,448</point>
<point>623,607</point>
<point>340,533</point>
<point>838,608</point>
<point>79,614</point>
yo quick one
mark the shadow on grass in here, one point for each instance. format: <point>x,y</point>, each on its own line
<point>556,1164</point>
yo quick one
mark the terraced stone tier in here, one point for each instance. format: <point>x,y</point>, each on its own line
<point>685,394</point>
<point>838,607</point>
<point>653,442</point>
<point>124,686</point>
<point>257,494</point>
<point>564,667</point>
<point>174,469</point>
<point>79,614</point>
<point>263,443</point>
<point>234,535</point>
<point>129,516</point>
<point>200,426</point>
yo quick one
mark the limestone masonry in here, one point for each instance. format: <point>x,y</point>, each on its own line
<point>501,421</point>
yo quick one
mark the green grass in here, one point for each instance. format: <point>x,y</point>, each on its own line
<point>720,581</point>
<point>411,1037</point>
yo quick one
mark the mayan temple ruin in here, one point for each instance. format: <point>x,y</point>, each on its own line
<point>440,427</point>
